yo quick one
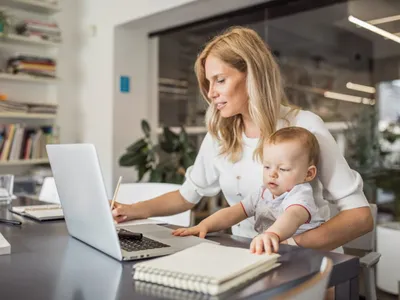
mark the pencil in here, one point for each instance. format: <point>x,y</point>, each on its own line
<point>116,192</point>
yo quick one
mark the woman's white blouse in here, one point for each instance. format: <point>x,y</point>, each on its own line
<point>335,183</point>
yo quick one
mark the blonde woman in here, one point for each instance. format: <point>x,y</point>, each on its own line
<point>241,82</point>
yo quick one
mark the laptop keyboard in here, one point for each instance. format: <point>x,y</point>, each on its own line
<point>130,245</point>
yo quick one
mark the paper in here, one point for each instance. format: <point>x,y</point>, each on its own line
<point>30,208</point>
<point>5,247</point>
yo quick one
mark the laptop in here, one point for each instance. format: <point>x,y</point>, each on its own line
<point>80,186</point>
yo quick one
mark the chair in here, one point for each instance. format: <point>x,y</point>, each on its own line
<point>314,288</point>
<point>370,258</point>
<point>48,192</point>
<point>135,192</point>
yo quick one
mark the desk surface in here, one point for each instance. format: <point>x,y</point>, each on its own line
<point>46,263</point>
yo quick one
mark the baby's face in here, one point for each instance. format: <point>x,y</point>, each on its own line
<point>285,165</point>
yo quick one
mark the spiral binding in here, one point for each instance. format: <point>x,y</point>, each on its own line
<point>172,279</point>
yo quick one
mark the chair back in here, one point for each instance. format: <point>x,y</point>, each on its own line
<point>367,241</point>
<point>135,192</point>
<point>314,288</point>
<point>48,192</point>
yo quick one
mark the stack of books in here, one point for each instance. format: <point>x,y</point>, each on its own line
<point>20,142</point>
<point>23,107</point>
<point>32,65</point>
<point>39,29</point>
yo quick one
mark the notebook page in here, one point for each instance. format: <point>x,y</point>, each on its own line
<point>45,213</point>
<point>219,263</point>
<point>21,209</point>
<point>5,247</point>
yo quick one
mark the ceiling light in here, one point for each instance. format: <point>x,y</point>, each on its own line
<point>375,29</point>
<point>348,98</point>
<point>385,20</point>
<point>361,88</point>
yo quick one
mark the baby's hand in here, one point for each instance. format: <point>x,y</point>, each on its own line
<point>198,230</point>
<point>267,241</point>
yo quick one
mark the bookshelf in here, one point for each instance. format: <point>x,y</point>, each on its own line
<point>22,162</point>
<point>29,88</point>
<point>19,39</point>
<point>34,116</point>
<point>32,5</point>
<point>27,78</point>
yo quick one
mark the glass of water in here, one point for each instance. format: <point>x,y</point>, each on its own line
<point>6,188</point>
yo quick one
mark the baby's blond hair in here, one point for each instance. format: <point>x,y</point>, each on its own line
<point>300,134</point>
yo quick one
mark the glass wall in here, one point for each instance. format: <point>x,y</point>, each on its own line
<point>339,59</point>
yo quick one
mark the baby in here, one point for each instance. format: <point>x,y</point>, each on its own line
<point>284,206</point>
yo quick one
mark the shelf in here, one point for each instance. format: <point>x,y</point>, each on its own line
<point>26,78</point>
<point>11,115</point>
<point>22,162</point>
<point>20,39</point>
<point>32,5</point>
<point>188,129</point>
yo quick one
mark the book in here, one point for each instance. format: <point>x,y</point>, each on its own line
<point>40,212</point>
<point>5,247</point>
<point>206,268</point>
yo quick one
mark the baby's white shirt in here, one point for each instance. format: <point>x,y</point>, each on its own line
<point>265,209</point>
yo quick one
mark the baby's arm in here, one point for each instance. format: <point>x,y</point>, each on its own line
<point>283,228</point>
<point>220,220</point>
<point>288,223</point>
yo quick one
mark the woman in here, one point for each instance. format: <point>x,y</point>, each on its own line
<point>241,81</point>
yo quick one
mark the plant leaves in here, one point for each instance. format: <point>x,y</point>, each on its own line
<point>136,145</point>
<point>170,141</point>
<point>146,128</point>
<point>183,138</point>
<point>186,160</point>
<point>132,159</point>
<point>156,175</point>
<point>143,169</point>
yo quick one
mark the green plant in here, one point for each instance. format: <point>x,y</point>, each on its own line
<point>4,22</point>
<point>363,151</point>
<point>166,161</point>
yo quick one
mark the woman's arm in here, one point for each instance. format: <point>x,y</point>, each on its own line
<point>344,227</point>
<point>168,204</point>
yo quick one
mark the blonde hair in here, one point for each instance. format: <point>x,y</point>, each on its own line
<point>244,50</point>
<point>300,134</point>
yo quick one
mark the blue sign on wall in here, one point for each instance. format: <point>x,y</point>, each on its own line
<point>124,84</point>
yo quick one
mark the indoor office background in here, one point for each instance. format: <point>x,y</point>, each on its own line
<point>340,59</point>
<point>346,74</point>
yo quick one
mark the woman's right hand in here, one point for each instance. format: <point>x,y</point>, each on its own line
<point>123,212</point>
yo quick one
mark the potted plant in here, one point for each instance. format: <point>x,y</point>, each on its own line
<point>166,161</point>
<point>4,22</point>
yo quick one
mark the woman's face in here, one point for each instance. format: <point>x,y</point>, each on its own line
<point>227,89</point>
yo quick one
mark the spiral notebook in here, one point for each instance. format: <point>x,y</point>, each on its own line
<point>40,212</point>
<point>206,268</point>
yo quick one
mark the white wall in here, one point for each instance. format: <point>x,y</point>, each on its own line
<point>99,17</point>
<point>108,118</point>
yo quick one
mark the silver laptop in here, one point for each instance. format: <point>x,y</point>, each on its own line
<point>87,212</point>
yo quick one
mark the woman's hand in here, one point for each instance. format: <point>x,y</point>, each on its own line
<point>267,241</point>
<point>199,230</point>
<point>123,212</point>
